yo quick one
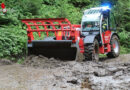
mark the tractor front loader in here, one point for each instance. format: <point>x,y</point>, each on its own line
<point>59,38</point>
<point>56,38</point>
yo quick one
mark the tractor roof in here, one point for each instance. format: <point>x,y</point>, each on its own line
<point>96,10</point>
<point>93,14</point>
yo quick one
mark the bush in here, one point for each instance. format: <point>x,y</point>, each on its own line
<point>125,41</point>
<point>12,41</point>
<point>127,27</point>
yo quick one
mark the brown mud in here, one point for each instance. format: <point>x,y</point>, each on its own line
<point>41,73</point>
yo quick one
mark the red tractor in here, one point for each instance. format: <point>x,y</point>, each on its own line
<point>59,38</point>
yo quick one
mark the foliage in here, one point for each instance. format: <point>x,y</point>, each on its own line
<point>125,41</point>
<point>13,43</point>
<point>124,50</point>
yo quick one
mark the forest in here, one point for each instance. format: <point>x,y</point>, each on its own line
<point>13,37</point>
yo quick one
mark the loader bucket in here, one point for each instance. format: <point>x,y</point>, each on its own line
<point>57,38</point>
<point>58,49</point>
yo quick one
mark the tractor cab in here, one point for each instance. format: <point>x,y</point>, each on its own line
<point>98,29</point>
<point>91,20</point>
<point>98,19</point>
<point>94,18</point>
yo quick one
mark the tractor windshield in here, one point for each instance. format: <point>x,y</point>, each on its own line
<point>90,25</point>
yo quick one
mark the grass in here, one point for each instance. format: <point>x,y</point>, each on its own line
<point>124,50</point>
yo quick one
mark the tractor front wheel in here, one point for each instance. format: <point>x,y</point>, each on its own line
<point>92,51</point>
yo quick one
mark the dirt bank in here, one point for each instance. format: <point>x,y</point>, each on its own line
<point>41,73</point>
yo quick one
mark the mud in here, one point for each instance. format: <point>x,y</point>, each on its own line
<point>41,73</point>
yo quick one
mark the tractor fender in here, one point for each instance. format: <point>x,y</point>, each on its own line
<point>89,39</point>
<point>113,33</point>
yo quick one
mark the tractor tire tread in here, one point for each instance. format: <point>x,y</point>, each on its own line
<point>88,52</point>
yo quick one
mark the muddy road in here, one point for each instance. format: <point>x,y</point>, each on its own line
<point>41,73</point>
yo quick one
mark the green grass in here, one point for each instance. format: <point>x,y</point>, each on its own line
<point>102,55</point>
<point>124,50</point>
<point>20,61</point>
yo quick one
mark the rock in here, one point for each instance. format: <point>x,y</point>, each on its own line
<point>126,64</point>
<point>51,59</point>
<point>41,56</point>
<point>74,81</point>
<point>63,86</point>
<point>111,68</point>
<point>128,68</point>
<point>5,62</point>
<point>101,72</point>
<point>86,84</point>
<point>54,84</point>
<point>117,74</point>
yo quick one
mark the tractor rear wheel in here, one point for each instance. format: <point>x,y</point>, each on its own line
<point>92,51</point>
<point>115,47</point>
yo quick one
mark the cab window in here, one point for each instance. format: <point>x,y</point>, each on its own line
<point>90,25</point>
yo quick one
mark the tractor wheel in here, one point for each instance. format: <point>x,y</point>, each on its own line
<point>115,47</point>
<point>92,51</point>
